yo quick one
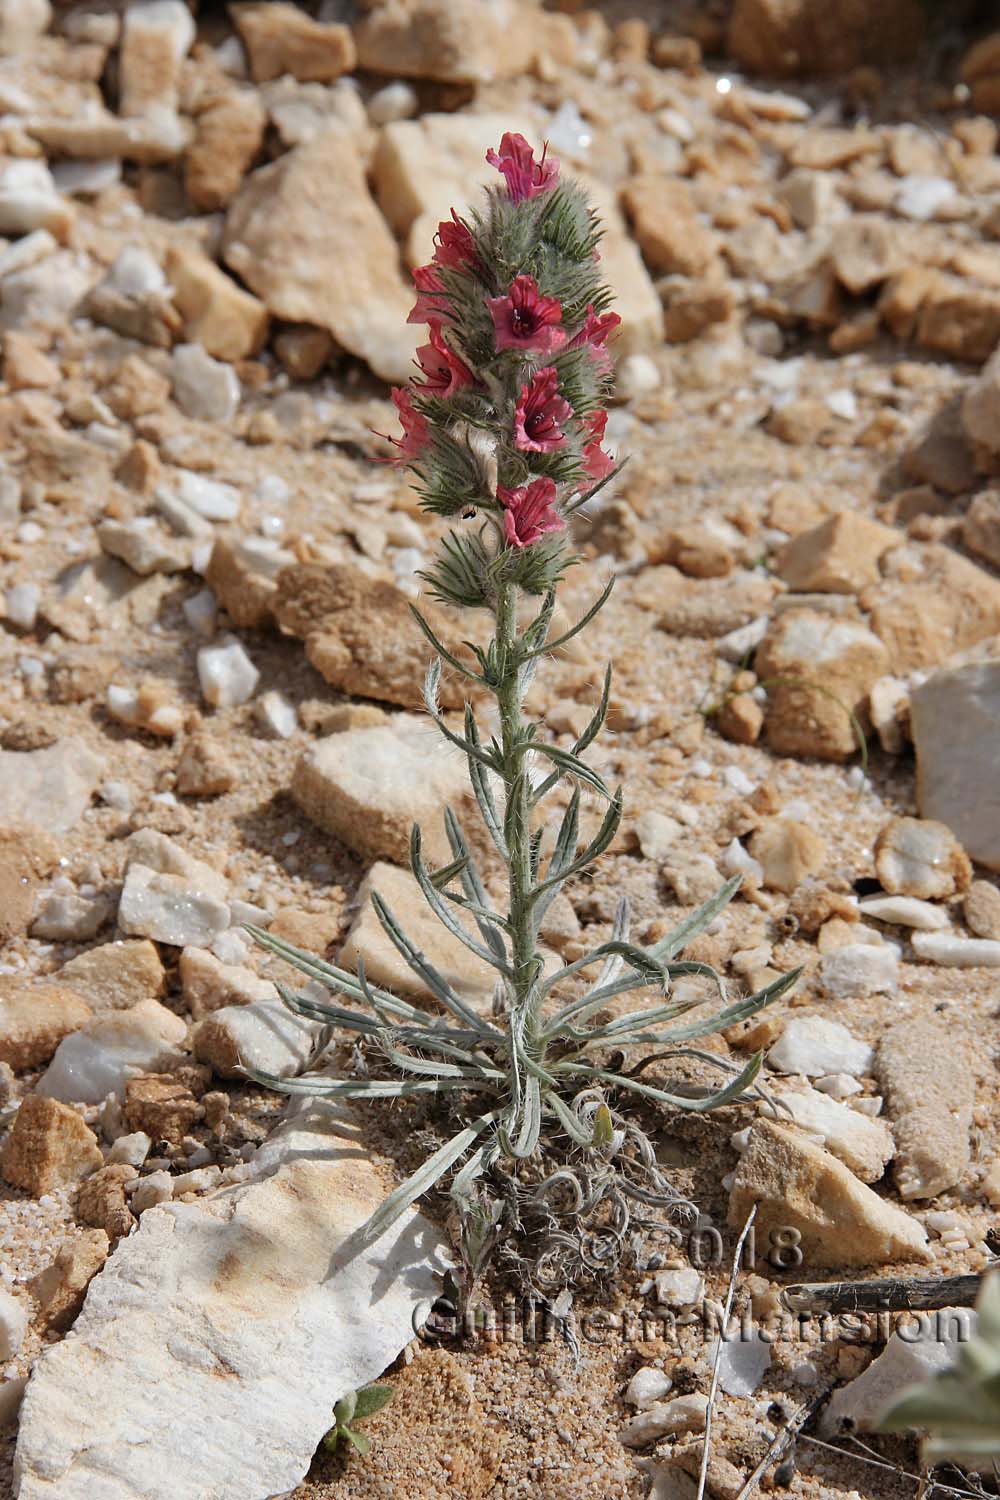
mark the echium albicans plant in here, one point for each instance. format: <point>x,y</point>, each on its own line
<point>503,431</point>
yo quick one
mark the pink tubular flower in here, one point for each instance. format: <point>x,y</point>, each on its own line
<point>528,512</point>
<point>414,425</point>
<point>445,373</point>
<point>595,333</point>
<point>525,177</point>
<point>596,463</point>
<point>524,319</point>
<point>453,244</point>
<point>539,413</point>
<point>430,306</point>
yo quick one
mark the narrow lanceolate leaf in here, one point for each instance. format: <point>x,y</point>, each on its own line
<point>361,1088</point>
<point>593,729</point>
<point>422,1180</point>
<point>601,840</point>
<point>573,1127</point>
<point>648,969</point>
<point>446,916</point>
<point>698,1105</point>
<point>472,884</point>
<point>442,650</point>
<point>685,931</point>
<point>333,978</point>
<point>534,637</point>
<point>425,970</point>
<point>531,1120</point>
<point>628,1030</point>
<point>431,681</point>
<point>569,764</point>
<point>581,624</point>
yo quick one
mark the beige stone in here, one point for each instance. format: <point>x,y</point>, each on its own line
<point>991,1183</point>
<point>789,852</point>
<point>60,1289</point>
<point>25,366</point>
<point>453,41</point>
<point>918,857</point>
<point>864,251</point>
<point>34,1018</point>
<point>48,1147</point>
<point>239,581</point>
<point>690,310</point>
<point>740,719</point>
<point>264,1035</point>
<point>361,635</point>
<point>667,226</point>
<point>26,853</point>
<point>839,556</point>
<point>945,313</point>
<point>926,1067</point>
<point>709,609</point>
<point>136,389</point>
<point>931,603</point>
<point>982,909</point>
<point>156,36</point>
<point>114,976</point>
<point>281,38</point>
<point>956,771</point>
<point>822,36</point>
<point>229,131</point>
<point>807,1198</point>
<point>205,768</point>
<point>227,322</point>
<point>981,527</point>
<point>303,349</point>
<point>207,984</point>
<point>469,976</point>
<point>817,671</point>
<point>305,235</point>
<point>981,411</point>
<point>369,786</point>
<point>101,1200</point>
<point>163,1105</point>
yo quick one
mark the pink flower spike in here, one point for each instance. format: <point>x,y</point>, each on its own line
<point>525,319</point>
<point>430,306</point>
<point>454,245</point>
<point>445,373</point>
<point>596,463</point>
<point>539,413</point>
<point>414,425</point>
<point>595,332</point>
<point>529,512</point>
<point>525,177</point>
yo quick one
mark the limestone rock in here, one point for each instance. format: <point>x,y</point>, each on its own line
<point>814,1046</point>
<point>956,780</point>
<point>49,788</point>
<point>33,1021</point>
<point>60,1289</point>
<point>982,910</point>
<point>797,1185</point>
<point>859,968</point>
<point>864,251</point>
<point>203,387</point>
<point>361,636</point>
<point>281,38</point>
<point>48,1147</point>
<point>219,315</point>
<point>981,527</point>
<point>264,1035</point>
<point>812,36</point>
<point>369,786</point>
<point>667,227</point>
<point>168,908</point>
<point>156,36</point>
<point>839,556</point>
<point>453,41</point>
<point>163,1105</point>
<point>13,1327</point>
<point>863,1144</point>
<point>238,1283</point>
<point>30,201</point>
<point>981,408</point>
<point>96,1060</point>
<point>209,985</point>
<point>115,975</point>
<point>926,1069</point>
<point>470,976</point>
<point>243,579</point>
<point>788,851</point>
<point>919,857</point>
<point>229,130</point>
<point>904,1362</point>
<point>25,854</point>
<point>841,657</point>
<point>931,603</point>
<point>25,366</point>
<point>305,235</point>
<point>101,1200</point>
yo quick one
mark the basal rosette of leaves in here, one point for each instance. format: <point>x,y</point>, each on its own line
<point>503,430</point>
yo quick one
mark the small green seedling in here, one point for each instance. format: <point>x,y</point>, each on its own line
<point>356,1406</point>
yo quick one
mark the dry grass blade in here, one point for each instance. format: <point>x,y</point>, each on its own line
<point>713,1388</point>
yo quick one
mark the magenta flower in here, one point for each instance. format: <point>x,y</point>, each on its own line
<point>454,245</point>
<point>595,332</point>
<point>539,413</point>
<point>596,463</point>
<point>444,372</point>
<point>528,512</point>
<point>431,305</point>
<point>526,320</point>
<point>415,429</point>
<point>525,177</point>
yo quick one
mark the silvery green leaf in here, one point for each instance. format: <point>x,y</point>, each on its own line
<point>444,914</point>
<point>425,970</point>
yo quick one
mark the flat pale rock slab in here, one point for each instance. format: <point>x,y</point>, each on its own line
<point>956,722</point>
<point>369,786</point>
<point>50,788</point>
<point>926,1067</point>
<point>211,1349</point>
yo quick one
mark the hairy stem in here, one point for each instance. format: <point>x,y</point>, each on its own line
<point>518,803</point>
